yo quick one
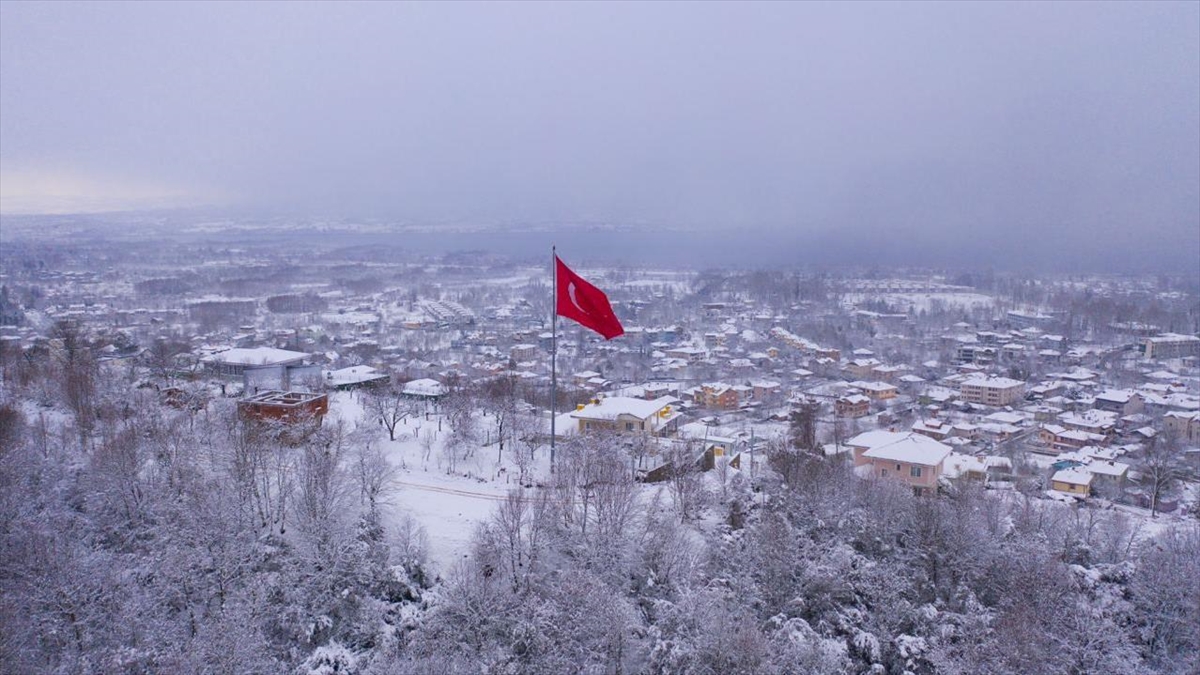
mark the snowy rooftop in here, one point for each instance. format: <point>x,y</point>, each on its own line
<point>987,381</point>
<point>353,375</point>
<point>1173,337</point>
<point>901,447</point>
<point>255,356</point>
<point>609,408</point>
<point>1116,395</point>
<point>1005,417</point>
<point>873,386</point>
<point>958,464</point>
<point>1089,419</point>
<point>424,387</point>
<point>1073,477</point>
<point>1107,468</point>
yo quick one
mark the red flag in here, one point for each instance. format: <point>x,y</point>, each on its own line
<point>582,302</point>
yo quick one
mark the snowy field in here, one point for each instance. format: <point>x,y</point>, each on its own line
<point>448,506</point>
<point>924,301</point>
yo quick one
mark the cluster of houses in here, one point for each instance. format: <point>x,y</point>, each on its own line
<point>968,422</point>
<point>913,397</point>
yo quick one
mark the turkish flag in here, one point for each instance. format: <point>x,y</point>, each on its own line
<point>582,302</point>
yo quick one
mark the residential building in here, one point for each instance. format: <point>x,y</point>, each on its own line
<point>860,368</point>
<point>827,353</point>
<point>1073,481</point>
<point>766,389</point>
<point>1108,477</point>
<point>1121,401</point>
<point>1098,422</point>
<point>1185,426</point>
<point>624,414</point>
<point>581,379</point>
<point>1170,346</point>
<point>854,405</point>
<point>719,396</point>
<point>523,352</point>
<point>968,352</point>
<point>998,431</point>
<point>993,391</point>
<point>965,467</point>
<point>933,428</point>
<point>910,458</point>
<point>655,390</point>
<point>887,373</point>
<point>876,391</point>
<point>1058,438</point>
<point>689,354</point>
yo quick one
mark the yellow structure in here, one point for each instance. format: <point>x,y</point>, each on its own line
<point>624,414</point>
<point>1073,482</point>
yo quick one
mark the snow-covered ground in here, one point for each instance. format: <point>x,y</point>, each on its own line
<point>924,301</point>
<point>448,505</point>
<point>1148,526</point>
<point>449,509</point>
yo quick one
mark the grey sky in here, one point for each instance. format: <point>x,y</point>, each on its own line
<point>935,124</point>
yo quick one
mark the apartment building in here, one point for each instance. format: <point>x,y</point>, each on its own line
<point>993,391</point>
<point>1170,346</point>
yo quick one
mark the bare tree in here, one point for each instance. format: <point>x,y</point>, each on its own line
<point>323,486</point>
<point>528,432</point>
<point>684,477</point>
<point>596,491</point>
<point>498,400</point>
<point>262,468</point>
<point>1160,467</point>
<point>1168,597</point>
<point>389,407</point>
<point>78,369</point>
<point>803,424</point>
<point>163,357</point>
<point>426,442</point>
<point>463,439</point>
<point>513,542</point>
<point>375,475</point>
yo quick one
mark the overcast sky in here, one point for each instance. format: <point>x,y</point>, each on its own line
<point>931,124</point>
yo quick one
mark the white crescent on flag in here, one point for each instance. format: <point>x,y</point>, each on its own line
<point>571,296</point>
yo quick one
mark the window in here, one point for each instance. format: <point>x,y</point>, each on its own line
<point>629,426</point>
<point>883,472</point>
<point>897,467</point>
<point>915,472</point>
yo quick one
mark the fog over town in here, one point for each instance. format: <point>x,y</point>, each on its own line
<point>872,344</point>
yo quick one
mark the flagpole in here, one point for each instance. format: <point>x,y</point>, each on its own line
<point>553,352</point>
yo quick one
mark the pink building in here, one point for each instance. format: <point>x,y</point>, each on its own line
<point>908,457</point>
